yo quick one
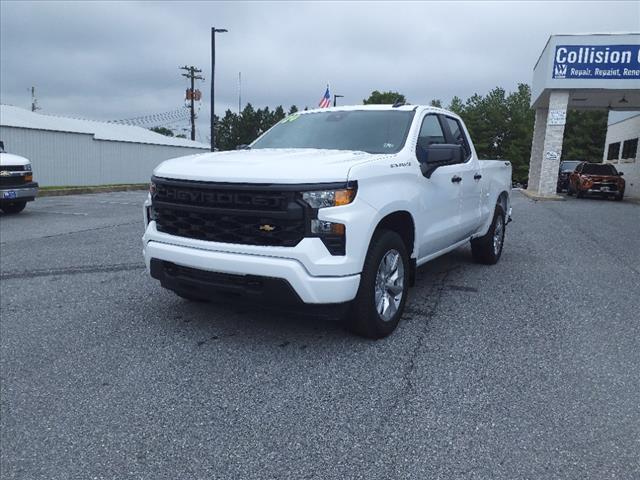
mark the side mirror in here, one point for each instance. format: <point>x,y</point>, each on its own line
<point>436,155</point>
<point>620,174</point>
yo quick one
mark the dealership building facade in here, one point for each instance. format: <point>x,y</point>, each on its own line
<point>596,71</point>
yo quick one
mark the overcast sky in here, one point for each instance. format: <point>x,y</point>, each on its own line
<point>118,60</point>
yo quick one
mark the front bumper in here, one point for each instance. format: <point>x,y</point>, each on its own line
<point>27,192</point>
<point>237,272</point>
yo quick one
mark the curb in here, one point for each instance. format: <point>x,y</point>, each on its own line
<point>84,190</point>
<point>536,196</point>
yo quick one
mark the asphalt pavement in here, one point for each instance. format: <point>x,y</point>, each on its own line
<point>529,369</point>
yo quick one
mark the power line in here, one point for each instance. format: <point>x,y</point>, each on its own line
<point>179,114</point>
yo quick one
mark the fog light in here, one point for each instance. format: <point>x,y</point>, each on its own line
<point>322,227</point>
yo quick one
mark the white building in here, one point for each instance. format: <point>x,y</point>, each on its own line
<point>592,71</point>
<point>621,149</point>
<point>72,152</point>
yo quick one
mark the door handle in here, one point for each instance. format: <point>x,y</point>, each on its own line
<point>477,176</point>
<point>456,179</point>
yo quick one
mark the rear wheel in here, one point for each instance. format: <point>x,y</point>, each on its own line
<point>13,207</point>
<point>488,248</point>
<point>383,289</point>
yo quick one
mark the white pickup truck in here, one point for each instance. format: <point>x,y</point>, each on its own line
<point>336,206</point>
<point>16,182</point>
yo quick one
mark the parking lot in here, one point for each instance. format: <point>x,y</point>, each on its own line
<point>526,369</point>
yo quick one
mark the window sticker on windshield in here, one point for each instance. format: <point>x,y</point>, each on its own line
<point>388,145</point>
<point>290,118</point>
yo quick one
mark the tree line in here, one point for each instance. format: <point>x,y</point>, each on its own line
<point>500,125</point>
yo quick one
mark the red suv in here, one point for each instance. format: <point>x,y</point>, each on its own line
<point>596,179</point>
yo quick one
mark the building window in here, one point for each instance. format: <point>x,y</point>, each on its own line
<point>630,148</point>
<point>614,151</point>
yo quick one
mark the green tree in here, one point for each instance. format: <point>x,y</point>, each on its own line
<point>584,135</point>
<point>456,105</point>
<point>436,102</point>
<point>384,98</point>
<point>162,131</point>
<point>293,109</point>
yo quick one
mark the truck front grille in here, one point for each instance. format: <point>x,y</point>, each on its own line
<point>229,213</point>
<point>12,181</point>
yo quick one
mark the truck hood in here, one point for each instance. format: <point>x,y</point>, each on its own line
<point>7,159</point>
<point>299,165</point>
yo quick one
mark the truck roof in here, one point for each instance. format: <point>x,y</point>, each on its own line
<point>377,107</point>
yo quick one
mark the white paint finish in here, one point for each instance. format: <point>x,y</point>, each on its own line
<point>443,212</point>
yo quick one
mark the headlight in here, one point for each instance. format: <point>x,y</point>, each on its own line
<point>329,198</point>
<point>27,167</point>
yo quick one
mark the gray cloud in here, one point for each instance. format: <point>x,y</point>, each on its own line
<point>117,60</point>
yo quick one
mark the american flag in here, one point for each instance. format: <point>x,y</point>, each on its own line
<point>326,99</point>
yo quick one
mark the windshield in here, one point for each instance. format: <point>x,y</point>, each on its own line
<point>569,166</point>
<point>598,169</point>
<point>373,131</point>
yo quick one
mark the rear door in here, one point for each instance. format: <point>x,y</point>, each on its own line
<point>439,222</point>
<point>470,191</point>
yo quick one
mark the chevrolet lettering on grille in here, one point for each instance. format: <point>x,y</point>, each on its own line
<point>218,198</point>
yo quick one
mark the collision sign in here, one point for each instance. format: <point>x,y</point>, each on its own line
<point>619,62</point>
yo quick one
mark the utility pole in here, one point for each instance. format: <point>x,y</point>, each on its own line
<point>213,69</point>
<point>34,101</point>
<point>192,75</point>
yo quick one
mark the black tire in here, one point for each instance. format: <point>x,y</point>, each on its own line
<point>483,248</point>
<point>619,197</point>
<point>579,194</point>
<point>363,317</point>
<point>13,207</point>
<point>569,191</point>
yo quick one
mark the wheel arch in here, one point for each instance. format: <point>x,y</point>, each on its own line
<point>401,222</point>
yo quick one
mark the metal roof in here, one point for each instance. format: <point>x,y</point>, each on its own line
<point>11,116</point>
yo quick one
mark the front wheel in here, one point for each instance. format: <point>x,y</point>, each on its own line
<point>383,289</point>
<point>13,207</point>
<point>488,248</point>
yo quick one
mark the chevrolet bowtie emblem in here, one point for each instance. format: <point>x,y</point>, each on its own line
<point>267,228</point>
<point>4,173</point>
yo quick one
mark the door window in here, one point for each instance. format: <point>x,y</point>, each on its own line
<point>431,131</point>
<point>458,136</point>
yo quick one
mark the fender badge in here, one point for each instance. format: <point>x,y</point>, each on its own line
<point>267,228</point>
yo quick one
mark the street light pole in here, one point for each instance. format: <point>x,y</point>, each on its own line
<point>213,68</point>
<point>334,98</point>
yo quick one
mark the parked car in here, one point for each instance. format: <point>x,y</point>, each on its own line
<point>330,206</point>
<point>16,182</point>
<point>596,179</point>
<point>566,168</point>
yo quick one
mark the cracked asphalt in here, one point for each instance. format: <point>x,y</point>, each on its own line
<point>529,369</point>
